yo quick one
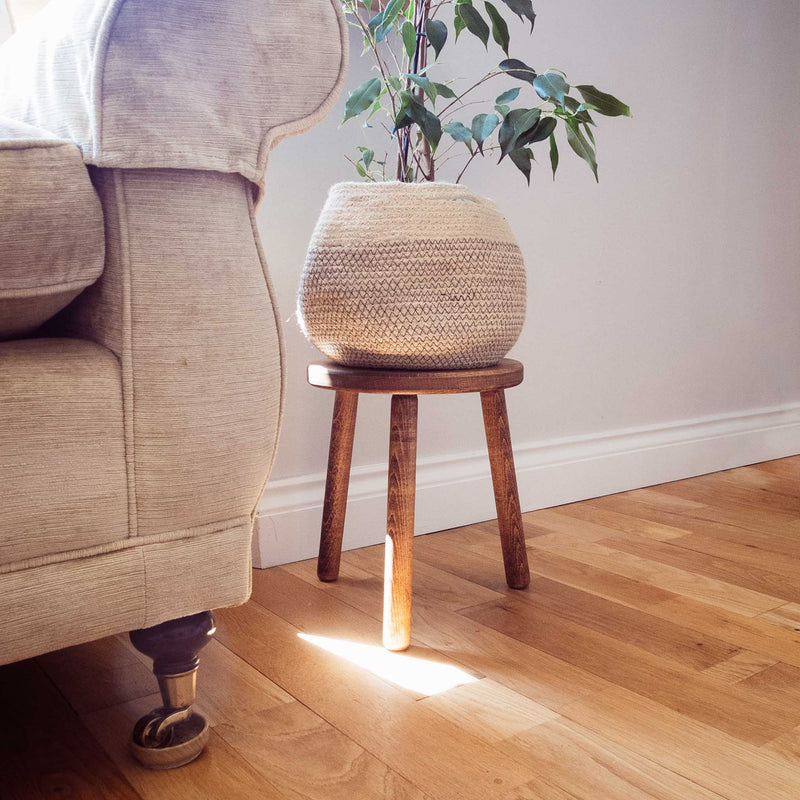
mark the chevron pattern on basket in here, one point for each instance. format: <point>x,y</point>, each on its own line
<point>373,297</point>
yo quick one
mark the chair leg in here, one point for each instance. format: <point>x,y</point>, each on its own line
<point>338,479</point>
<point>506,496</point>
<point>174,734</point>
<point>400,523</point>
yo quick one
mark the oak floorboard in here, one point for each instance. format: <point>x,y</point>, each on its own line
<point>477,563</point>
<point>644,506</point>
<point>786,617</point>
<point>735,769</point>
<point>304,756</point>
<point>758,634</point>
<point>727,708</point>
<point>727,487</point>
<point>45,750</point>
<point>745,575</point>
<point>487,709</point>
<point>669,640</point>
<point>787,746</point>
<point>590,766</point>
<point>620,620</point>
<point>744,664</point>
<point>745,554</point>
<point>786,467</point>
<point>432,753</point>
<point>614,676</point>
<point>749,508</point>
<point>679,581</point>
<point>532,673</point>
<point>219,772</point>
<point>98,674</point>
<point>778,682</point>
<point>622,522</point>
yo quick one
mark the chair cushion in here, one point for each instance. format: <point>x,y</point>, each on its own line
<point>62,450</point>
<point>51,227</point>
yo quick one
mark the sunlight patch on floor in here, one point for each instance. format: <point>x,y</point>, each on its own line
<point>417,674</point>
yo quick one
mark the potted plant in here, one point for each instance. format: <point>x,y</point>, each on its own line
<point>405,271</point>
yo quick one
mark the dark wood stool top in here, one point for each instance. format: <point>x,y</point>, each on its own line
<point>328,375</point>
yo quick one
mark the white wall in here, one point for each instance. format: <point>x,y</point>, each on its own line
<point>662,337</point>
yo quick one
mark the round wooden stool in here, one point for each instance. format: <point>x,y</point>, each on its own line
<point>404,386</point>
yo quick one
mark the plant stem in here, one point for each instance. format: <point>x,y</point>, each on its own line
<point>469,161</point>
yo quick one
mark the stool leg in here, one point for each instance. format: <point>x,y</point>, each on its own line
<point>506,496</point>
<point>400,523</point>
<point>339,457</point>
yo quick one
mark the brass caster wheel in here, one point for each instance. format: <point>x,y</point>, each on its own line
<point>168,738</point>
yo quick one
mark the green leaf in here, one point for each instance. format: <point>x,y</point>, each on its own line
<point>518,69</point>
<point>381,23</point>
<point>474,22</point>
<point>551,86</point>
<point>436,32</point>
<point>394,82</point>
<point>524,119</point>
<point>367,157</point>
<point>577,141</point>
<point>428,122</point>
<point>502,110</point>
<point>523,9</point>
<point>361,98</point>
<point>402,120</point>
<point>507,136</point>
<point>445,91</point>
<point>499,27</point>
<point>605,104</point>
<point>459,131</point>
<point>376,107</point>
<point>579,110</point>
<point>589,134</point>
<point>425,84</point>
<point>522,158</point>
<point>538,133</point>
<point>458,23</point>
<point>360,170</point>
<point>409,34</point>
<point>553,154</point>
<point>482,127</point>
<point>516,129</point>
<point>508,96</point>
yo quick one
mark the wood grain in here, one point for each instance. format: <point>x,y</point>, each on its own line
<point>400,497</point>
<point>337,481</point>
<point>738,667</point>
<point>616,677</point>
<point>504,481</point>
<point>327,375</point>
<point>45,750</point>
<point>727,708</point>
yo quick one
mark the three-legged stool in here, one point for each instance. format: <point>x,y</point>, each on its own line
<point>404,386</point>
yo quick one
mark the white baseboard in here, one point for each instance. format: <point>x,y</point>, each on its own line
<point>456,489</point>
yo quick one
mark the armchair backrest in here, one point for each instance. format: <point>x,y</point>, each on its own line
<point>175,105</point>
<point>187,84</point>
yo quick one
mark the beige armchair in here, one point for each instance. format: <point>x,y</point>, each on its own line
<point>140,355</point>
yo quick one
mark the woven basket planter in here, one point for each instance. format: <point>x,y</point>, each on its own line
<point>412,276</point>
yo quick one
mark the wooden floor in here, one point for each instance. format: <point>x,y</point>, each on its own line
<point>655,655</point>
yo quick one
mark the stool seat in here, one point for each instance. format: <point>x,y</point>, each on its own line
<point>329,375</point>
<point>404,386</point>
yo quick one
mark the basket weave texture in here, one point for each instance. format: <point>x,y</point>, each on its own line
<point>412,276</point>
